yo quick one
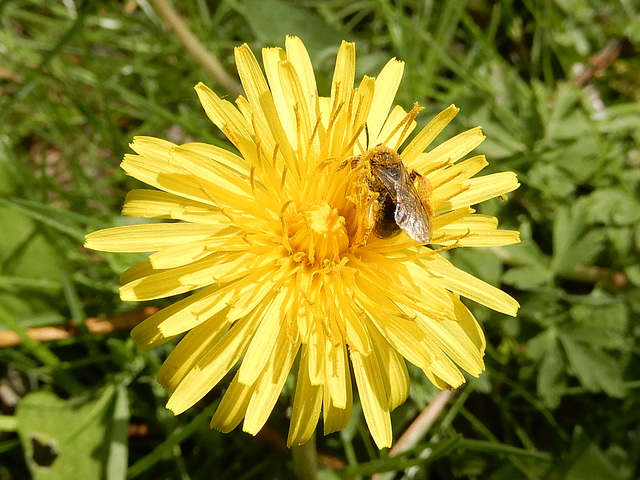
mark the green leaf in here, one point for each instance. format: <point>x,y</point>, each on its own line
<point>552,182</point>
<point>525,253</point>
<point>596,370</point>
<point>571,246</point>
<point>600,322</point>
<point>531,267</point>
<point>61,220</point>
<point>119,435</point>
<point>482,263</point>
<point>587,461</point>
<point>526,278</point>
<point>551,379</point>
<point>613,206</point>
<point>272,20</point>
<point>65,439</point>
<point>633,274</point>
<point>565,121</point>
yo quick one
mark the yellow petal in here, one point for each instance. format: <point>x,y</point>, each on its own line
<point>335,418</point>
<point>176,318</point>
<point>372,397</point>
<point>269,385</point>
<point>424,138</point>
<point>461,171</point>
<point>386,87</point>
<point>390,134</point>
<point>307,401</point>
<point>344,73</point>
<point>337,388</point>
<point>152,147</point>
<point>167,177</point>
<point>338,380</point>
<point>472,238</point>
<point>356,332</point>
<point>261,100</point>
<point>158,204</point>
<point>483,188</point>
<point>213,365</point>
<point>439,382</point>
<point>254,83</point>
<point>407,337</point>
<point>394,371</point>
<point>475,231</point>
<point>462,283</point>
<point>262,344</point>
<point>220,156</point>
<point>452,339</point>
<point>228,119</point>
<point>164,283</point>
<point>441,221</point>
<point>469,325</point>
<point>190,351</point>
<point>192,311</point>
<point>271,57</point>
<point>316,354</point>
<point>191,160</point>
<point>253,289</point>
<point>450,151</point>
<point>299,58</point>
<point>293,91</point>
<point>148,237</point>
<point>186,253</point>
<point>232,407</point>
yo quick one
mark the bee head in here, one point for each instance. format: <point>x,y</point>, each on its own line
<point>382,156</point>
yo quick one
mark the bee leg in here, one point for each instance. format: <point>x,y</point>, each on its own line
<point>424,191</point>
<point>367,223</point>
<point>351,161</point>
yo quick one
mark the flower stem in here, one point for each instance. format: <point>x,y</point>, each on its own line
<point>209,62</point>
<point>305,461</point>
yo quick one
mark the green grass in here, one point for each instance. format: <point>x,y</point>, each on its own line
<point>560,397</point>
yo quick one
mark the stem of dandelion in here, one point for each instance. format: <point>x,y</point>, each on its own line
<point>305,460</point>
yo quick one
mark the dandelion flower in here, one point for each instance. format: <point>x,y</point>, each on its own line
<point>273,241</point>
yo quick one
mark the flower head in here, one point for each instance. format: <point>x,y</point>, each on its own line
<point>279,243</point>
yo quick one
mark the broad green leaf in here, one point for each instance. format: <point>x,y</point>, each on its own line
<point>550,180</point>
<point>526,278</point>
<point>571,245</point>
<point>621,239</point>
<point>544,348</point>
<point>599,322</point>
<point>538,346</point>
<point>117,460</point>
<point>551,376</point>
<point>613,206</point>
<point>596,370</point>
<point>566,122</point>
<point>526,253</point>
<point>272,20</point>
<point>587,461</point>
<point>582,251</point>
<point>633,274</point>
<point>483,263</point>
<point>66,439</point>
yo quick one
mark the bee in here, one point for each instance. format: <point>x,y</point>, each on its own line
<point>400,205</point>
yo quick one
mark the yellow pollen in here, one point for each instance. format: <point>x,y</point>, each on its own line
<point>319,232</point>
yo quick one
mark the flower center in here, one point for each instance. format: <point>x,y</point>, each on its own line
<point>317,233</point>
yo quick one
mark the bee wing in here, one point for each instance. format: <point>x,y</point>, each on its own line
<point>410,214</point>
<point>391,177</point>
